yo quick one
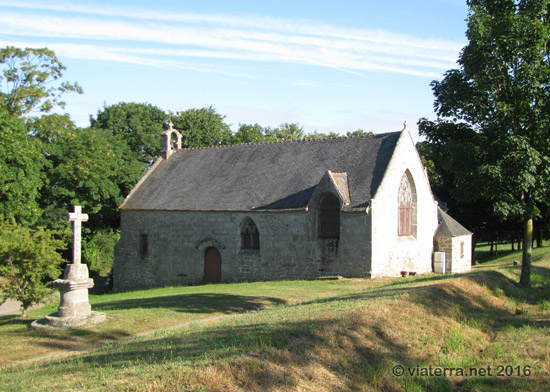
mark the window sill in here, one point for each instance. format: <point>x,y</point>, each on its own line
<point>403,238</point>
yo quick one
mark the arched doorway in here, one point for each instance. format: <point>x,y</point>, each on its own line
<point>329,217</point>
<point>212,265</point>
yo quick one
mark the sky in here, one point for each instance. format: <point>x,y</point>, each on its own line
<point>331,66</point>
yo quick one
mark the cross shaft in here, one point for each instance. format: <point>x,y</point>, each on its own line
<point>77,217</point>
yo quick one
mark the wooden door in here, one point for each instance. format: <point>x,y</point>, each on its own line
<point>212,266</point>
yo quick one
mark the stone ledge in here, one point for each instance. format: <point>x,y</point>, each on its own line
<point>73,285</point>
<point>53,322</point>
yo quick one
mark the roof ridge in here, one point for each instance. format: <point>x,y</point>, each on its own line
<point>310,139</point>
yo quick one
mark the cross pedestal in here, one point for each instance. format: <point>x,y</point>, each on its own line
<point>74,309</point>
<point>73,291</point>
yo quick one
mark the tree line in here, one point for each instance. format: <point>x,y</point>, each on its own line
<point>488,152</point>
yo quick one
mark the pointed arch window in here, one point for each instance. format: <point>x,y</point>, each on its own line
<point>329,217</point>
<point>407,206</point>
<point>250,236</point>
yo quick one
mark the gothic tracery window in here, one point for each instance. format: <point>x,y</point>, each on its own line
<point>329,217</point>
<point>250,236</point>
<point>407,206</point>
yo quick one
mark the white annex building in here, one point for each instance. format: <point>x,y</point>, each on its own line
<point>352,206</point>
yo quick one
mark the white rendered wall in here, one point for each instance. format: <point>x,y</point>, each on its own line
<point>391,253</point>
<point>461,262</point>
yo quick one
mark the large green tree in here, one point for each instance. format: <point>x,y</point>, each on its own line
<point>495,111</point>
<point>30,80</point>
<point>441,163</point>
<point>21,163</point>
<point>248,133</point>
<point>139,124</point>
<point>285,131</point>
<point>201,127</point>
<point>84,166</point>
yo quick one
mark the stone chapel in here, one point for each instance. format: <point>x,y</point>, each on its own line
<point>351,206</point>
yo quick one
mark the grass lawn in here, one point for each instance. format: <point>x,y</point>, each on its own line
<point>346,334</point>
<point>136,312</point>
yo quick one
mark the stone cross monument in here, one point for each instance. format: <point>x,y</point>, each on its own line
<point>75,309</point>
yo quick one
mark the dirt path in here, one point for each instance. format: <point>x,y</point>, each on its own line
<point>10,307</point>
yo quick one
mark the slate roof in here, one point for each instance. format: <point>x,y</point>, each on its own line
<point>263,176</point>
<point>448,227</point>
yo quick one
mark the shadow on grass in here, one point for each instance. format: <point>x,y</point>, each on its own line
<point>502,285</point>
<point>447,300</point>
<point>425,278</point>
<point>13,319</point>
<point>298,344</point>
<point>71,339</point>
<point>63,339</point>
<point>194,303</point>
<point>485,256</point>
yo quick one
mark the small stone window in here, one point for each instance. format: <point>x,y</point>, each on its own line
<point>250,236</point>
<point>462,249</point>
<point>406,206</point>
<point>329,217</point>
<point>143,244</point>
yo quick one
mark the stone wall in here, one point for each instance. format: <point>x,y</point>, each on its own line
<point>458,252</point>
<point>445,244</point>
<point>289,247</point>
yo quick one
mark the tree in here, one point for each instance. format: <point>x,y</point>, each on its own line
<point>30,80</point>
<point>285,131</point>
<point>99,249</point>
<point>498,104</point>
<point>320,135</point>
<point>441,162</point>
<point>20,165</point>
<point>201,127</point>
<point>29,258</point>
<point>248,133</point>
<point>359,132</point>
<point>84,167</point>
<point>139,124</point>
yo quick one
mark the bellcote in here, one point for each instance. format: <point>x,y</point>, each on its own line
<point>168,145</point>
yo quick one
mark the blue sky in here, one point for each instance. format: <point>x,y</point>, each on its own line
<point>327,65</point>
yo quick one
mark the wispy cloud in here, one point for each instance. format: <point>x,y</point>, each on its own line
<point>166,39</point>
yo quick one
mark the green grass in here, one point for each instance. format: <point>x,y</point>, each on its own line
<point>314,335</point>
<point>135,312</point>
<point>482,251</point>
